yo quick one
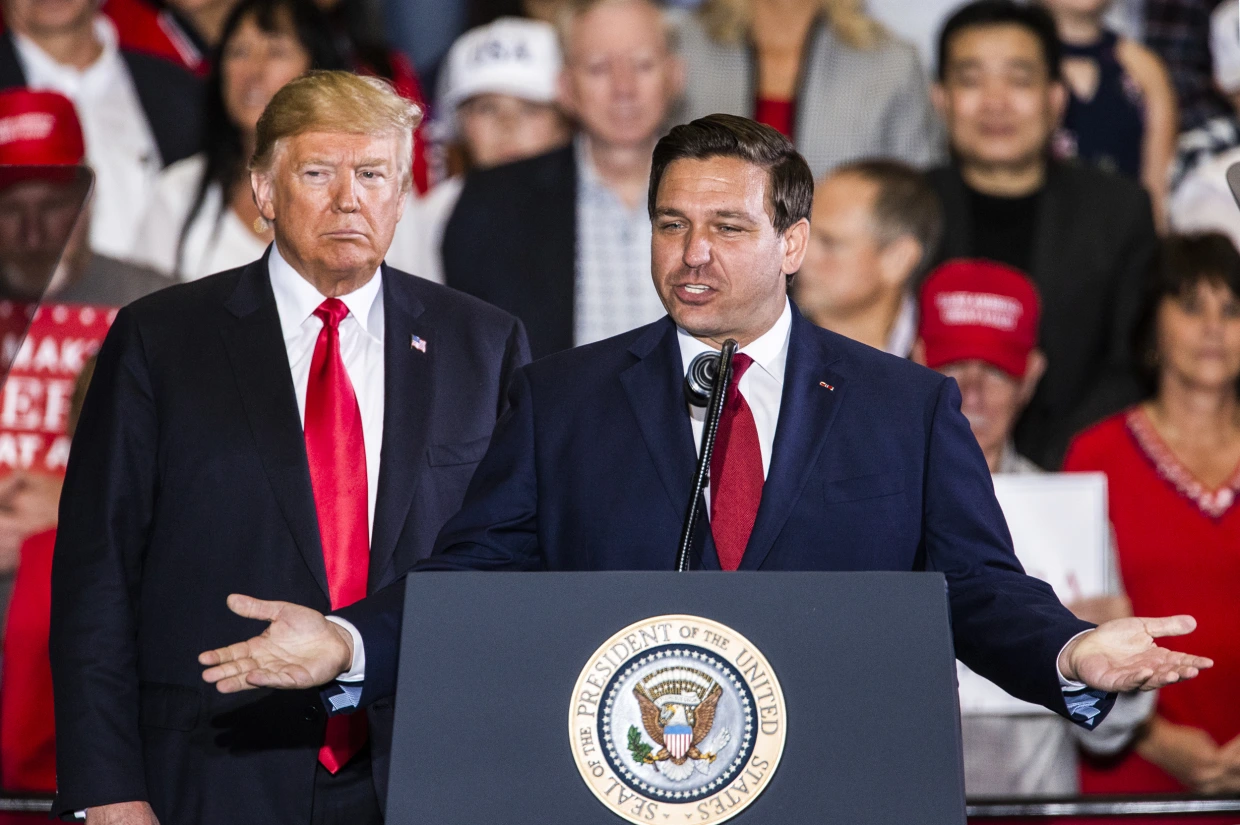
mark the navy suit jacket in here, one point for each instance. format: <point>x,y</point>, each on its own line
<point>188,480</point>
<point>591,466</point>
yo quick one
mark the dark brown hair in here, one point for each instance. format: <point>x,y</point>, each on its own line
<point>906,204</point>
<point>1184,262</point>
<point>790,186</point>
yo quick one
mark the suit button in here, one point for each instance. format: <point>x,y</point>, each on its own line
<point>312,713</point>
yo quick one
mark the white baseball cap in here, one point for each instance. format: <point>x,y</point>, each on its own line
<point>510,56</point>
<point>1225,47</point>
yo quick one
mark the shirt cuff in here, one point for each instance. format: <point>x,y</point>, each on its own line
<point>1064,682</point>
<point>1086,706</point>
<point>357,668</point>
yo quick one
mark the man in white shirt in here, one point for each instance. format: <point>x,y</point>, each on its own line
<point>875,227</point>
<point>138,113</point>
<point>562,240</point>
<point>830,456</point>
<point>263,429</point>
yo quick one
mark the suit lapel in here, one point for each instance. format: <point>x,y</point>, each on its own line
<point>408,397</point>
<point>654,386</point>
<point>259,359</point>
<point>806,413</point>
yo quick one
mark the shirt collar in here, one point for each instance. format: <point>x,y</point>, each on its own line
<point>297,299</point>
<point>768,351</point>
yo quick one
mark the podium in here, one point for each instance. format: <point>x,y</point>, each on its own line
<point>609,697</point>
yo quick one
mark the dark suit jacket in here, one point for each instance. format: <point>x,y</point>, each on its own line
<point>512,241</point>
<point>590,469</point>
<point>171,97</point>
<point>1093,244</point>
<point>189,481</point>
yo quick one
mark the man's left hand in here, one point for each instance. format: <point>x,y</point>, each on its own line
<point>1121,655</point>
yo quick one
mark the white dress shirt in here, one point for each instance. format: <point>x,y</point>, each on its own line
<point>120,146</point>
<point>762,385</point>
<point>361,349</point>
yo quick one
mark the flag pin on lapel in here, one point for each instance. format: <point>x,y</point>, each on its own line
<point>825,384</point>
<point>418,343</point>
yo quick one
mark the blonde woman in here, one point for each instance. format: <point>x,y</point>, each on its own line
<point>820,71</point>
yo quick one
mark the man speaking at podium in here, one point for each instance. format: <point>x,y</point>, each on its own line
<point>830,456</point>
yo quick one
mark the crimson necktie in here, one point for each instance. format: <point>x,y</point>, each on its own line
<point>735,473</point>
<point>336,450</point>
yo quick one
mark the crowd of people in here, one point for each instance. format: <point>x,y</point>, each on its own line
<point>1030,156</point>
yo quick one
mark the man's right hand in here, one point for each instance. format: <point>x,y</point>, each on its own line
<point>299,649</point>
<point>122,813</point>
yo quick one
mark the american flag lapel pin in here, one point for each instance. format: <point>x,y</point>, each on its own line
<point>418,343</point>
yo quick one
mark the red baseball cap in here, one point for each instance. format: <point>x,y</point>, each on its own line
<point>978,309</point>
<point>38,129</point>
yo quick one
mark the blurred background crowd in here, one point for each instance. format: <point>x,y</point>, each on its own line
<point>1029,197</point>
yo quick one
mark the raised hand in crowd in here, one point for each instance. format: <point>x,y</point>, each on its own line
<point>1100,609</point>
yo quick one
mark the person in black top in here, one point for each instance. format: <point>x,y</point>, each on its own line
<point>1086,237</point>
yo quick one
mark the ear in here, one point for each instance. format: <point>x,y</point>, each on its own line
<point>796,240</point>
<point>938,96</point>
<point>1058,95</point>
<point>564,93</point>
<point>676,73</point>
<point>918,355</point>
<point>405,197</point>
<point>264,194</point>
<point>898,259</point>
<point>1035,368</point>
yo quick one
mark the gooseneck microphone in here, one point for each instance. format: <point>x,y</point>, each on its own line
<point>706,385</point>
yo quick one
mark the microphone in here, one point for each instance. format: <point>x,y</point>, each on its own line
<point>700,379</point>
<point>706,384</point>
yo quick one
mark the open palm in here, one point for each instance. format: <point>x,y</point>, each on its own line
<point>1122,655</point>
<point>299,649</point>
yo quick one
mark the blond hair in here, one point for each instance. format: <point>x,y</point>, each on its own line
<point>336,101</point>
<point>727,21</point>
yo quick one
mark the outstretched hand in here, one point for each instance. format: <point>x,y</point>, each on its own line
<point>299,649</point>
<point>1121,655</point>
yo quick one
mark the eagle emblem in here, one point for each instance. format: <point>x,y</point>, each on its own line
<point>678,712</point>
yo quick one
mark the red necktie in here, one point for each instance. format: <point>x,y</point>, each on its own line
<point>735,473</point>
<point>337,453</point>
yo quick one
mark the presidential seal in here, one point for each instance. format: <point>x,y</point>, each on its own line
<point>677,719</point>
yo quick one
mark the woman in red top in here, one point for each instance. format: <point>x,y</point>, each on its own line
<point>1173,470</point>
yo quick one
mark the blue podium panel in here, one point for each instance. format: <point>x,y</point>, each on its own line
<point>572,698</point>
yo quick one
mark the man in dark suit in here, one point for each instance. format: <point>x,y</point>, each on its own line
<point>562,240</point>
<point>300,427</point>
<point>1086,237</point>
<point>140,113</point>
<point>830,456</point>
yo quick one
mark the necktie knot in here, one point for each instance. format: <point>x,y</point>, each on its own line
<point>331,312</point>
<point>740,363</point>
